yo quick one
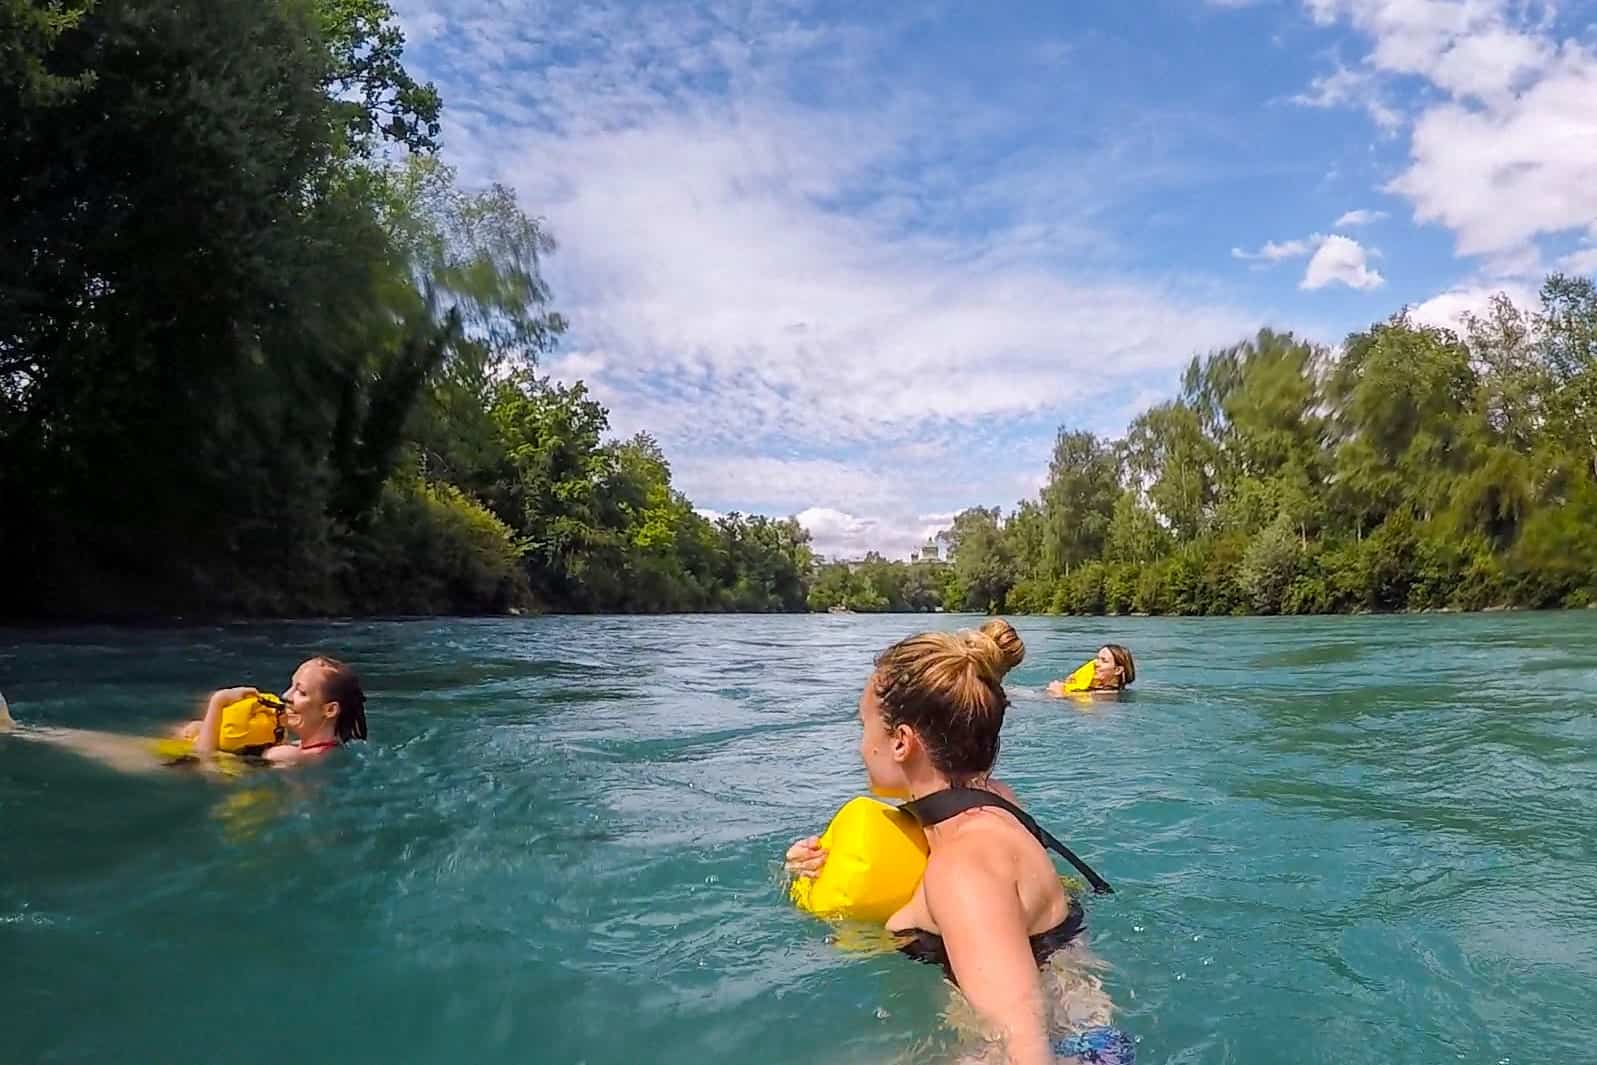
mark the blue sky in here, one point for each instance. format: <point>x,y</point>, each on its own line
<point>859,262</point>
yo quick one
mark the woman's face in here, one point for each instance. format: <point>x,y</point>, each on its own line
<point>1105,663</point>
<point>304,702</point>
<point>882,750</point>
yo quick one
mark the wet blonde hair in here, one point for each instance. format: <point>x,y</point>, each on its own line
<point>1011,650</point>
<point>949,688</point>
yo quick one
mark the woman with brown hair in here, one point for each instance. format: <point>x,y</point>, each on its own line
<point>1113,669</point>
<point>991,907</point>
<point>324,707</point>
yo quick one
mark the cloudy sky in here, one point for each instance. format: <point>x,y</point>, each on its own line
<point>860,266</point>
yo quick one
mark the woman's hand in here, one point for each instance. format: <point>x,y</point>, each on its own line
<point>1056,687</point>
<point>229,696</point>
<point>188,730</point>
<point>805,857</point>
<point>206,737</point>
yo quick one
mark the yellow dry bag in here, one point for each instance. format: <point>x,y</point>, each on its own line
<point>248,725</point>
<point>251,722</point>
<point>1081,679</point>
<point>876,856</point>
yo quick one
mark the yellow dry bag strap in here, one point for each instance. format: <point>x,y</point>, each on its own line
<point>941,805</point>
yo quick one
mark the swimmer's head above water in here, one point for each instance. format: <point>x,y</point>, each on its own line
<point>324,707</point>
<point>1115,664</point>
<point>934,705</point>
<point>325,698</point>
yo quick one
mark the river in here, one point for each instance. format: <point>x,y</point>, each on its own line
<point>1347,839</point>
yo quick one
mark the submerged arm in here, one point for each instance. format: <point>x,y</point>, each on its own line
<point>984,930</point>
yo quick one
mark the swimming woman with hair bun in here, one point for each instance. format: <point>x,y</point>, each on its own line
<point>991,908</point>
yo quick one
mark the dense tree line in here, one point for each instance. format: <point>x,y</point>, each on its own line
<point>259,352</point>
<point>1417,468</point>
<point>879,585</point>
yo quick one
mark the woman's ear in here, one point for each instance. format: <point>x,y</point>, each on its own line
<point>330,710</point>
<point>904,742</point>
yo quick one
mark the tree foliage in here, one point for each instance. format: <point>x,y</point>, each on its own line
<point>1419,469</point>
<point>260,352</point>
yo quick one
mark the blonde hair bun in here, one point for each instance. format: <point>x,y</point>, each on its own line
<point>996,648</point>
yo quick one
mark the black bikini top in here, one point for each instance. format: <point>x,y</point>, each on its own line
<point>928,947</point>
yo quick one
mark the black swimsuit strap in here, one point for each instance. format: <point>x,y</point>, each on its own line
<point>941,805</point>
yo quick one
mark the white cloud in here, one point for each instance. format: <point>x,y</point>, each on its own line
<point>1503,152</point>
<point>835,534</point>
<point>1351,88</point>
<point>1489,64</point>
<point>695,250</point>
<point>1465,47</point>
<point>839,534</point>
<point>420,26</point>
<point>1360,217</point>
<point>937,523</point>
<point>1582,261</point>
<point>1340,260</point>
<point>1500,177</point>
<point>760,281</point>
<point>1524,262</point>
<point>1335,259</point>
<point>852,506</point>
<point>1273,252</point>
<point>788,485</point>
<point>1448,309</point>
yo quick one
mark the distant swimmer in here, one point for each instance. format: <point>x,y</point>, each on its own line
<point>323,708</point>
<point>1111,670</point>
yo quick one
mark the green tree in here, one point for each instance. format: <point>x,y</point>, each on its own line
<point>1134,533</point>
<point>1269,566</point>
<point>1403,395</point>
<point>982,561</point>
<point>1568,346</point>
<point>1077,502</point>
<point>1167,450</point>
<point>552,435</point>
<point>379,97</point>
<point>29,73</point>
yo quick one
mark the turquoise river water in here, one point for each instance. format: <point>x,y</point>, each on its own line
<point>1334,840</point>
